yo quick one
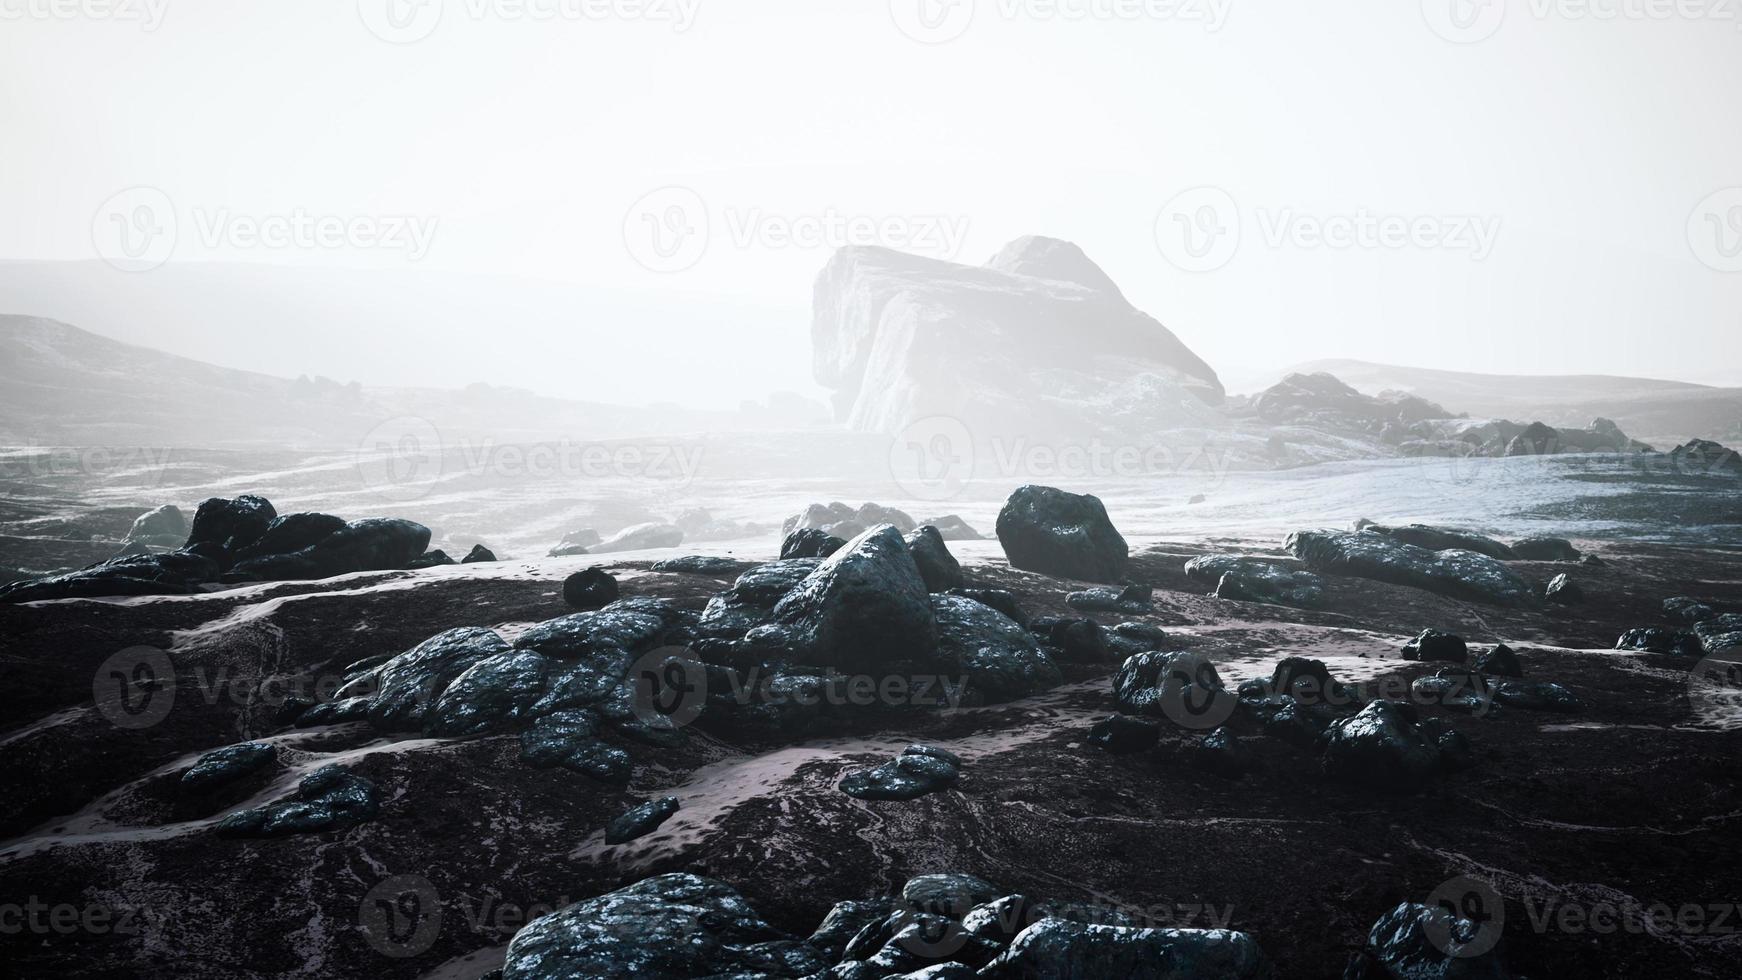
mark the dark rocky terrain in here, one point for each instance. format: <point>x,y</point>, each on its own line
<point>427,851</point>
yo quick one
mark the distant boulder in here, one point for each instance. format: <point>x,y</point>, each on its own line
<point>640,537</point>
<point>1459,574</point>
<point>1443,539</point>
<point>810,542</point>
<point>937,566</point>
<point>1702,456</point>
<point>165,524</point>
<point>953,528</point>
<point>479,553</point>
<point>1322,401</point>
<point>1047,530</point>
<point>1536,440</point>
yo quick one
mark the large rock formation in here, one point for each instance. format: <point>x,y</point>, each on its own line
<point>1037,344</point>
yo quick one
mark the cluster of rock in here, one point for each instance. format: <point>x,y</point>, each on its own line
<point>243,540</point>
<point>1698,630</point>
<point>941,926</point>
<point>696,524</point>
<point>1414,426</point>
<point>838,520</point>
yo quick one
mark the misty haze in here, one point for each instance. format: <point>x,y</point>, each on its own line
<point>1187,489</point>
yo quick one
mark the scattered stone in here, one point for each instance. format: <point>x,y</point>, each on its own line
<point>330,798</point>
<point>909,776</point>
<point>641,820</point>
<point>1546,549</point>
<point>1460,574</point>
<point>1046,530</point>
<point>477,554</point>
<point>1537,696</point>
<point>1074,640</point>
<point>1183,686</point>
<point>1124,735</point>
<point>1564,591</point>
<point>590,588</point>
<point>937,566</point>
<point>1134,599</point>
<point>227,765</point>
<point>1435,645</point>
<point>1125,639</point>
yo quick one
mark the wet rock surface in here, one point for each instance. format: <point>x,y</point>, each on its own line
<point>1365,554</point>
<point>1047,530</point>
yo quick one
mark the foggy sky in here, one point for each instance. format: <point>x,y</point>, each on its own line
<point>1520,203</point>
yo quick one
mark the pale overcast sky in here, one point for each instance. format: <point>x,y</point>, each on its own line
<point>1514,186</point>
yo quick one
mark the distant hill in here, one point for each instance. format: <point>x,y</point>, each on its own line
<point>60,385</point>
<point>1663,413</point>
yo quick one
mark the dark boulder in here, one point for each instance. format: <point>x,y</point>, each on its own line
<point>865,608</point>
<point>1655,639</point>
<point>1436,645</point>
<point>999,660</point>
<point>673,925</point>
<point>227,765</point>
<point>171,573</point>
<point>1274,585</point>
<point>810,542</point>
<point>1418,942</point>
<point>1000,599</point>
<point>328,799</point>
<point>909,776</point>
<point>1546,549</point>
<point>1563,591</point>
<point>1382,747</point>
<point>431,559</point>
<point>846,920</point>
<point>590,588</point>
<point>1063,949</point>
<point>950,894</point>
<point>1364,554</point>
<point>751,600</point>
<point>403,689</point>
<point>1537,439</point>
<point>1537,696</point>
<point>479,553</point>
<point>1046,530</point>
<point>1129,639</point>
<point>1443,539</point>
<point>494,694</point>
<point>374,544</point>
<point>641,820</point>
<point>1124,735</point>
<point>231,524</point>
<point>1073,640</point>
<point>292,533</point>
<point>1720,634</point>
<point>1500,662</point>
<point>937,566</point>
<point>1184,687</point>
<point>1704,457</point>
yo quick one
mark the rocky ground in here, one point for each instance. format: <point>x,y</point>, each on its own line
<point>1583,823</point>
